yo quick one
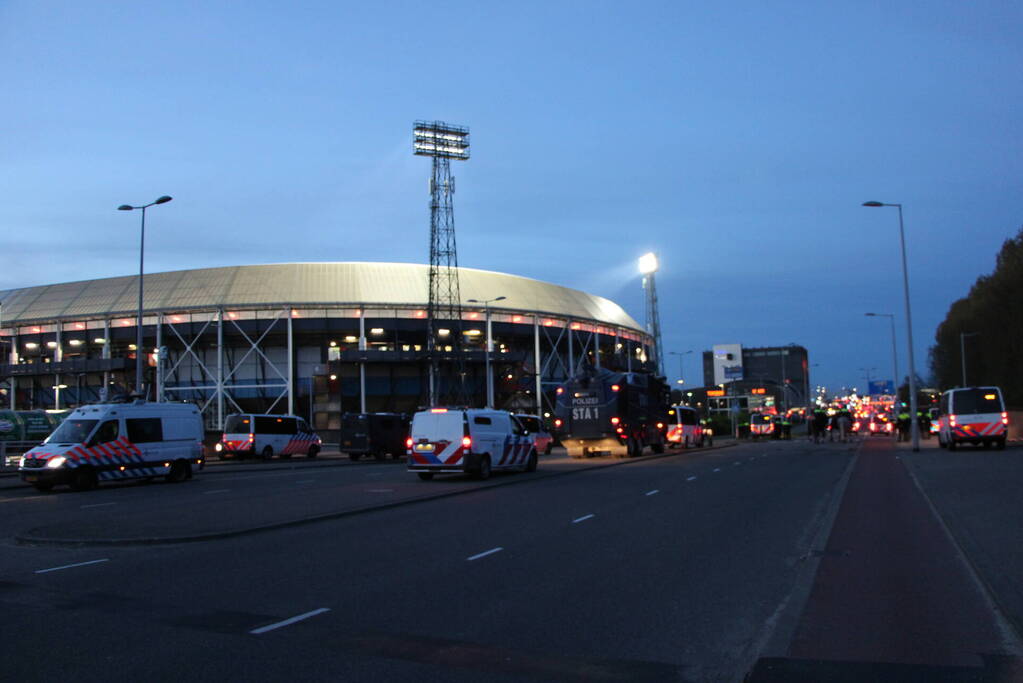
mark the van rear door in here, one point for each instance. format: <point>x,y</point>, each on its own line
<point>979,412</point>
<point>437,437</point>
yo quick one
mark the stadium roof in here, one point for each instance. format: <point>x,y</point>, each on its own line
<point>295,285</point>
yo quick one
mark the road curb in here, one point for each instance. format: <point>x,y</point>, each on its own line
<point>28,539</point>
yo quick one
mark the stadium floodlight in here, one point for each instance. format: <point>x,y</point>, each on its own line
<point>439,139</point>
<point>648,263</point>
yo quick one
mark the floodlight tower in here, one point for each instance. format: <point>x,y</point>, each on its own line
<point>648,266</point>
<point>442,142</point>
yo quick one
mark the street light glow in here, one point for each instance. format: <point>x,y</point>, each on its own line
<point>648,263</point>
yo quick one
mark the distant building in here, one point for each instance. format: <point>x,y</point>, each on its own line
<point>783,367</point>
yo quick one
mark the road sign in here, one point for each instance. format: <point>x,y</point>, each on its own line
<point>881,386</point>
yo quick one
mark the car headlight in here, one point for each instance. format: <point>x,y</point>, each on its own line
<point>55,462</point>
<point>219,447</point>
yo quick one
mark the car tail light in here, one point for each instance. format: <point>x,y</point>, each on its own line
<point>615,420</point>
<point>557,423</point>
<point>408,442</point>
<point>856,426</point>
<point>888,426</point>
<point>619,430</point>
<point>1005,418</point>
<point>252,438</point>
<point>466,442</point>
<point>615,387</point>
<point>660,425</point>
<point>873,427</point>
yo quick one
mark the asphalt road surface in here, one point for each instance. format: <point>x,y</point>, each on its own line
<point>786,561</point>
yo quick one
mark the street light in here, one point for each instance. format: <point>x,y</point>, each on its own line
<point>895,356</point>
<point>142,245</point>
<point>962,350</point>
<point>681,356</point>
<point>489,344</point>
<point>914,423</point>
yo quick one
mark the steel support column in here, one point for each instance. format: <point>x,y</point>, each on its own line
<point>291,371</point>
<point>159,357</point>
<point>571,351</point>
<point>105,392</point>
<point>362,366</point>
<point>537,367</point>
<point>220,370</point>
<point>58,356</point>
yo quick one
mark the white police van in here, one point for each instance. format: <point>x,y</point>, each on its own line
<point>266,436</point>
<point>472,441</point>
<point>974,415</point>
<point>115,441</point>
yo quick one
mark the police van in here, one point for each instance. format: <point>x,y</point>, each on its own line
<point>684,428</point>
<point>973,415</point>
<point>115,441</point>
<point>472,441</point>
<point>266,436</point>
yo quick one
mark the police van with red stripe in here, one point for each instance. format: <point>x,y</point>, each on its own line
<point>470,441</point>
<point>117,441</point>
<point>974,415</point>
<point>266,436</point>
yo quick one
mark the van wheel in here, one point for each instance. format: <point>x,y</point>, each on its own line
<point>179,471</point>
<point>657,447</point>
<point>530,462</point>
<point>312,452</point>
<point>84,479</point>
<point>43,487</point>
<point>285,456</point>
<point>425,476</point>
<point>483,473</point>
<point>952,444</point>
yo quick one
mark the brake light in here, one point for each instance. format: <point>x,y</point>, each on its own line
<point>559,390</point>
<point>856,426</point>
<point>1005,418</point>
<point>466,442</point>
<point>951,420</point>
<point>408,442</point>
<point>615,420</point>
<point>660,425</point>
<point>873,427</point>
<point>557,423</point>
<point>252,437</point>
<point>619,430</point>
<point>615,387</point>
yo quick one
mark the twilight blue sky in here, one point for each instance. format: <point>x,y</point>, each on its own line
<point>736,139</point>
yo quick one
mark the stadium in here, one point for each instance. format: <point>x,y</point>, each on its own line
<point>312,339</point>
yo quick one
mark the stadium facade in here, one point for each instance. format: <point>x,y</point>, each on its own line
<point>313,339</point>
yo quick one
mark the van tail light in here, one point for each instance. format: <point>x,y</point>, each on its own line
<point>619,430</point>
<point>660,425</point>
<point>252,437</point>
<point>615,387</point>
<point>559,390</point>
<point>467,442</point>
<point>408,442</point>
<point>557,423</point>
<point>615,420</point>
<point>1005,418</point>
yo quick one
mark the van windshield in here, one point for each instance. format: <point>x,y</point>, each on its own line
<point>973,401</point>
<point>237,424</point>
<point>72,431</point>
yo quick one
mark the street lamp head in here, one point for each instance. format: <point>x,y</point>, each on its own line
<point>163,200</point>
<point>872,315</point>
<point>472,301</point>
<point>125,207</point>
<point>872,204</point>
<point>648,263</point>
<point>500,298</point>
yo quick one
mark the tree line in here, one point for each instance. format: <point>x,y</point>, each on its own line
<point>991,316</point>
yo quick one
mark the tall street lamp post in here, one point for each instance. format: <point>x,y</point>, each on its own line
<point>914,423</point>
<point>490,343</point>
<point>681,370</point>
<point>138,324</point>
<point>895,356</point>
<point>962,350</point>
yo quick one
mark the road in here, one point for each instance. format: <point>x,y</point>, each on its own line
<point>784,558</point>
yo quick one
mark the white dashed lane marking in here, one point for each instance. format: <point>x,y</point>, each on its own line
<point>288,622</point>
<point>691,479</point>
<point>484,554</point>
<point>206,493</point>
<point>582,519</point>
<point>650,493</point>
<point>96,505</point>
<point>69,566</point>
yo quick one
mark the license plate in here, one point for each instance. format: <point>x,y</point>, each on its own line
<point>31,477</point>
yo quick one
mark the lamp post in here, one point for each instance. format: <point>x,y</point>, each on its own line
<point>490,380</point>
<point>895,356</point>
<point>962,350</point>
<point>914,423</point>
<point>138,324</point>
<point>681,371</point>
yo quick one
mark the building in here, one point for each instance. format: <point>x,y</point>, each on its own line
<point>779,369</point>
<point>313,339</point>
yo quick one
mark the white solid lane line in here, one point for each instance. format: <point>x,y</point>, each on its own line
<point>69,566</point>
<point>583,519</point>
<point>96,505</point>
<point>288,622</point>
<point>691,479</point>
<point>484,554</point>
<point>206,493</point>
<point>650,493</point>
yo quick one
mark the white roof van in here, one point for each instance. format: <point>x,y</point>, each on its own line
<point>474,441</point>
<point>115,441</point>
